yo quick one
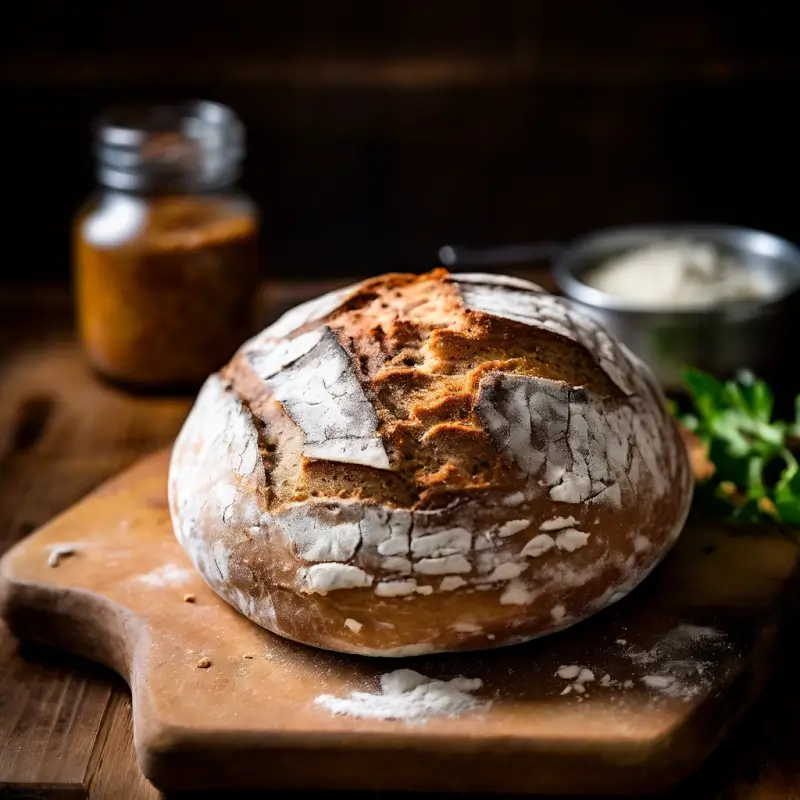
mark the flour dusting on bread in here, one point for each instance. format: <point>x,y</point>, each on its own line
<point>322,395</point>
<point>455,461</point>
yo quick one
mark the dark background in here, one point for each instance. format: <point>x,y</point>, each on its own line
<point>380,131</point>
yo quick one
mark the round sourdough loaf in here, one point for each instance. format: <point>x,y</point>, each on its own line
<point>418,464</point>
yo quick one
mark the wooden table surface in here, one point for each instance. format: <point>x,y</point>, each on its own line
<point>65,724</point>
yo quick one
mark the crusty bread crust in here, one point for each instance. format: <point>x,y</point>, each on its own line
<point>420,464</point>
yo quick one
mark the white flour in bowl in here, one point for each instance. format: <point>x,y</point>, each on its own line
<point>681,274</point>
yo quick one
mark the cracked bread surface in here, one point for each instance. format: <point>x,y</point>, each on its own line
<point>452,461</point>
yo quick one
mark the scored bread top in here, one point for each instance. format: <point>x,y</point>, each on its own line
<point>414,436</point>
<point>396,390</point>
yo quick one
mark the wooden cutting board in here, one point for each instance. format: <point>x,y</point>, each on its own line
<point>674,664</point>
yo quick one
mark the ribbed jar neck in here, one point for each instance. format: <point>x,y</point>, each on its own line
<point>192,147</point>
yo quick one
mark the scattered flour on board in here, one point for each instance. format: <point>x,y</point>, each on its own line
<point>166,575</point>
<point>407,695</point>
<point>678,641</point>
<point>578,675</point>
<point>679,665</point>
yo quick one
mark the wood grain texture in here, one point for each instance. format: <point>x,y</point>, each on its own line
<point>63,720</point>
<point>61,433</point>
<point>760,761</point>
<point>114,766</point>
<point>52,710</point>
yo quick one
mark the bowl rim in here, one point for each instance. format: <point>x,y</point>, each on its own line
<point>564,272</point>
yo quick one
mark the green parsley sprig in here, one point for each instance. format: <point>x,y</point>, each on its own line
<point>756,474</point>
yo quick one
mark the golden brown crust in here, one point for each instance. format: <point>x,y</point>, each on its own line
<point>419,357</point>
<point>425,463</point>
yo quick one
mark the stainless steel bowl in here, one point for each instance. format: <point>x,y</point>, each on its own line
<point>752,334</point>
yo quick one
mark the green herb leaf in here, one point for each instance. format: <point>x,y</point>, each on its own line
<point>756,476</point>
<point>707,393</point>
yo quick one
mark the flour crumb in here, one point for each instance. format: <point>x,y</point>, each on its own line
<point>578,675</point>
<point>622,642</point>
<point>557,523</point>
<point>516,594</point>
<point>409,696</point>
<point>568,673</point>
<point>466,627</point>
<point>354,625</point>
<point>59,552</point>
<point>571,540</point>
<point>585,676</point>
<point>658,681</point>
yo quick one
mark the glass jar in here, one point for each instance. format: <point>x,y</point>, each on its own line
<point>165,254</point>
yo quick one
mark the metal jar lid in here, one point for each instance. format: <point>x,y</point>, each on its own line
<point>190,147</point>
